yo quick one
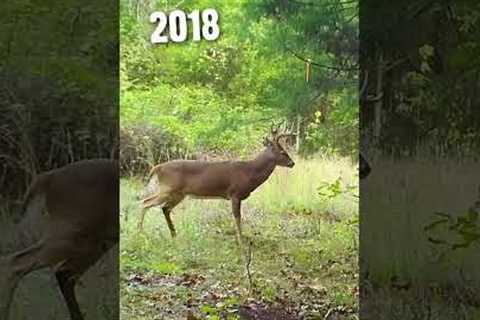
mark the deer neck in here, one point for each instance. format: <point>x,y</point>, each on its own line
<point>261,168</point>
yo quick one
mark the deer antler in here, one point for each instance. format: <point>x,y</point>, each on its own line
<point>276,136</point>
<point>284,135</point>
<point>274,130</point>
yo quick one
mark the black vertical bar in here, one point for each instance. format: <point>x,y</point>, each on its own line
<point>59,92</point>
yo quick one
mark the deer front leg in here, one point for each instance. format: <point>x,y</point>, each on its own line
<point>166,213</point>
<point>73,266</point>
<point>67,282</point>
<point>172,202</point>
<point>236,210</point>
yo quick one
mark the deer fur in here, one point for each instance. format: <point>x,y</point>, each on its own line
<point>230,180</point>
<point>81,201</point>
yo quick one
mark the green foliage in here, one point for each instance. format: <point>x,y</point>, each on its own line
<point>227,306</point>
<point>465,228</point>
<point>221,97</point>
<point>58,69</point>
<point>299,189</point>
<point>428,101</point>
<point>339,135</point>
<point>331,190</point>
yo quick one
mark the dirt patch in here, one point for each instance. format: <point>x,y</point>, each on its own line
<point>255,310</point>
<point>150,280</point>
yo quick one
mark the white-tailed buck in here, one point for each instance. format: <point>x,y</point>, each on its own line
<point>81,205</point>
<point>231,180</point>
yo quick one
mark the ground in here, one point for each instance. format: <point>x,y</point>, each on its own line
<point>300,261</point>
<point>405,276</point>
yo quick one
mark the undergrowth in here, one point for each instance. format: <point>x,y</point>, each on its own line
<point>303,249</point>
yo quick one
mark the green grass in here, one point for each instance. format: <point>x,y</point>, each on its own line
<point>300,254</point>
<point>398,200</point>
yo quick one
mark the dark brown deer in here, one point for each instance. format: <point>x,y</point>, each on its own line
<point>230,180</point>
<point>81,202</point>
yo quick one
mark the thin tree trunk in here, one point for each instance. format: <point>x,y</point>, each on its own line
<point>379,102</point>
<point>297,142</point>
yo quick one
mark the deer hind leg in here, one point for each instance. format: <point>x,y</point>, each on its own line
<point>54,252</point>
<point>152,201</point>
<point>167,209</point>
<point>21,263</point>
<point>13,268</point>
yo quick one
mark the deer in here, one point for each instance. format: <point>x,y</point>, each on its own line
<point>80,206</point>
<point>364,168</point>
<point>229,180</point>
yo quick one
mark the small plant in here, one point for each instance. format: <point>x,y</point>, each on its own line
<point>465,227</point>
<point>221,309</point>
<point>331,190</point>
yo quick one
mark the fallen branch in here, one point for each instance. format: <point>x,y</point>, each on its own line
<point>248,261</point>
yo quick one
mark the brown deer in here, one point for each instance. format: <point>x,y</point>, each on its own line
<point>230,180</point>
<point>81,202</point>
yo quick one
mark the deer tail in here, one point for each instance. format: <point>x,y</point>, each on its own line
<point>153,170</point>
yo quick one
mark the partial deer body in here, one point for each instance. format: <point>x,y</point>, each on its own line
<point>231,180</point>
<point>81,201</point>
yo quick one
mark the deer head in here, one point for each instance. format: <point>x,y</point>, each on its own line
<point>273,145</point>
<point>364,167</point>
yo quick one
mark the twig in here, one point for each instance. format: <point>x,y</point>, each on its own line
<point>394,64</point>
<point>248,261</point>
<point>319,65</point>
<point>323,6</point>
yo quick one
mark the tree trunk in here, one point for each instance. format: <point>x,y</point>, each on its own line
<point>297,142</point>
<point>379,102</point>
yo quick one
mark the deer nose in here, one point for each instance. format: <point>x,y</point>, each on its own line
<point>291,164</point>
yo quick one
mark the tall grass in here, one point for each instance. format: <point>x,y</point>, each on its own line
<point>297,188</point>
<point>397,201</point>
